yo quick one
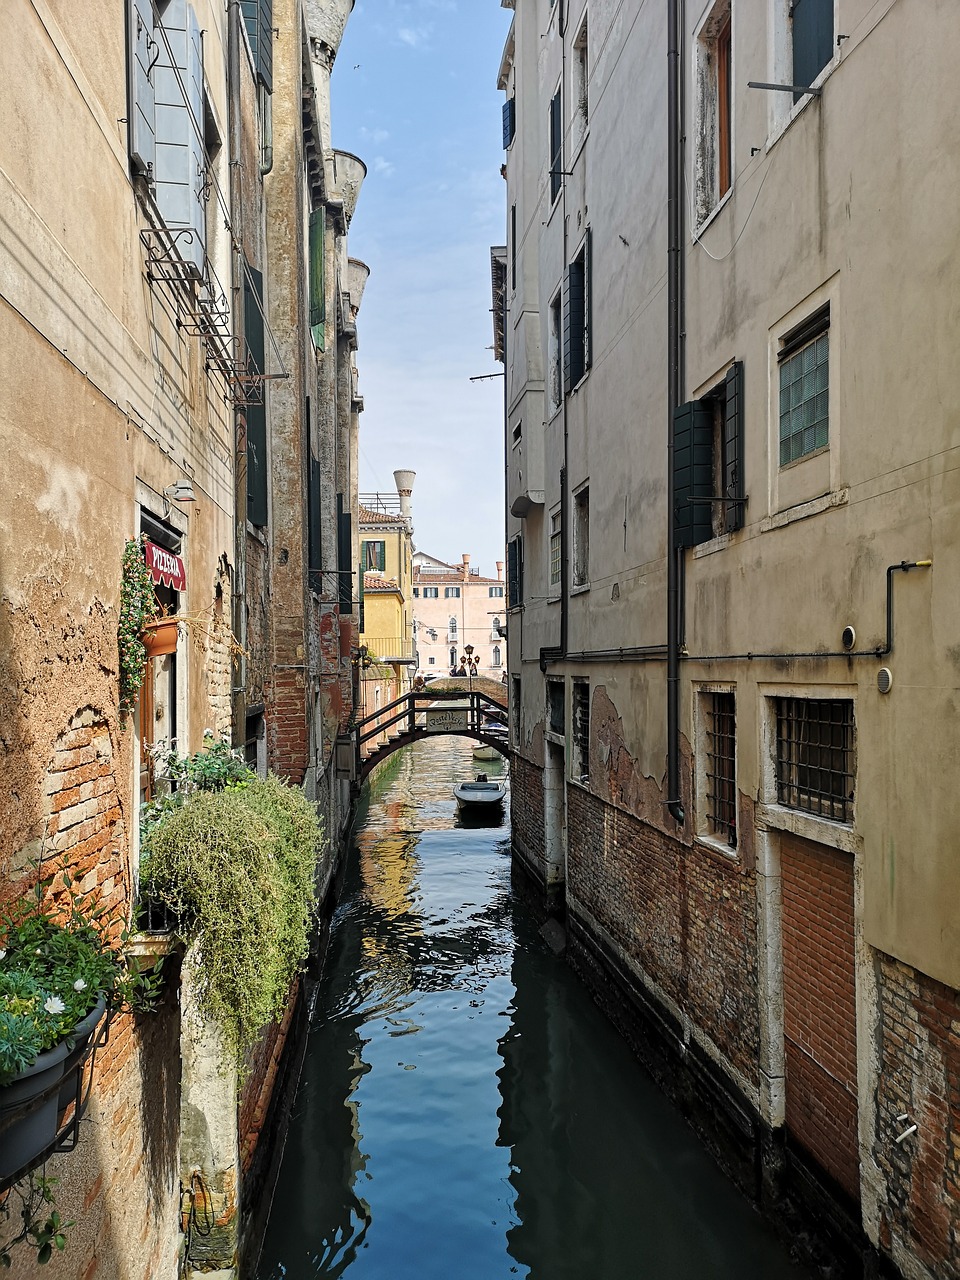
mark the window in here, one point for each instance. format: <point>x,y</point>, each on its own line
<point>804,362</point>
<point>431,593</point>
<point>518,433</point>
<point>812,24</point>
<point>451,593</point>
<point>515,705</point>
<point>495,625</point>
<point>556,145</point>
<point>495,592</point>
<point>714,157</point>
<point>509,121</point>
<point>515,572</point>
<point>181,164</point>
<point>453,659</point>
<point>815,758</point>
<point>576,333</point>
<point>258,20</point>
<point>495,661</point>
<point>513,247</point>
<point>581,108</point>
<point>719,766</point>
<point>554,392</point>
<point>555,707</point>
<point>373,556</point>
<point>556,548</point>
<point>317,243</point>
<point>708,489</point>
<point>452,630</point>
<point>255,412</point>
<point>431,661</point>
<point>581,537</point>
<point>416,593</point>
<point>581,731</point>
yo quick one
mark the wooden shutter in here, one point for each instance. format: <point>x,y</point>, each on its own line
<point>345,556</point>
<point>258,20</point>
<point>733,448</point>
<point>573,317</point>
<point>515,572</point>
<point>556,145</point>
<point>509,121</point>
<point>256,413</point>
<point>692,473</point>
<point>313,518</point>
<point>317,302</point>
<point>180,160</point>
<point>141,107</point>
<point>812,22</point>
<point>587,300</point>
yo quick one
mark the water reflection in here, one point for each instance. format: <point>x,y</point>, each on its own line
<point>464,1110</point>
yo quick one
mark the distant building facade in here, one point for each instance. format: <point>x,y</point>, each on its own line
<point>732,550</point>
<point>455,606</point>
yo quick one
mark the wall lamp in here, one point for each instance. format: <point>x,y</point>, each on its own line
<point>182,491</point>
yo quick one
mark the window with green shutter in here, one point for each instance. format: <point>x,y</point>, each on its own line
<point>317,302</point>
<point>256,414</point>
<point>258,20</point>
<point>181,163</point>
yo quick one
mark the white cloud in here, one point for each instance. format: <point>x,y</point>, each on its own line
<point>383,166</point>
<point>415,37</point>
<point>374,135</point>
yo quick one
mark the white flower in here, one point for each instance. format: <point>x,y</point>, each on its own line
<point>79,985</point>
<point>2,954</point>
<point>53,1004</point>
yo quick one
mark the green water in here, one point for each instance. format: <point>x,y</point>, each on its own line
<point>465,1112</point>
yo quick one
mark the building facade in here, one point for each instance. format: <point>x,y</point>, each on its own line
<point>455,606</point>
<point>178,318</point>
<point>731,549</point>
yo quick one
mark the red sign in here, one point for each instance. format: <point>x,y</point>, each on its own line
<point>165,567</point>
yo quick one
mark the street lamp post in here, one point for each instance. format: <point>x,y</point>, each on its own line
<point>471,663</point>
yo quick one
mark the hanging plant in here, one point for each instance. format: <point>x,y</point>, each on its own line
<point>138,608</point>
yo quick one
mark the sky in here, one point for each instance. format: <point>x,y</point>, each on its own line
<point>414,95</point>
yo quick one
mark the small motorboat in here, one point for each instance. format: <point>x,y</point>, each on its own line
<point>480,795</point>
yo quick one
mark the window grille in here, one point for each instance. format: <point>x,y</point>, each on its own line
<point>804,397</point>
<point>721,779</point>
<point>581,731</point>
<point>556,538</point>
<point>816,756</point>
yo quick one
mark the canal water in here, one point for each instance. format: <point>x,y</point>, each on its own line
<point>464,1111</point>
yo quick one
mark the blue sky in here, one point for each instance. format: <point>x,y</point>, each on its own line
<point>414,96</point>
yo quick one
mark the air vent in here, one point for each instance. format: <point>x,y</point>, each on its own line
<point>884,679</point>
<point>848,637</point>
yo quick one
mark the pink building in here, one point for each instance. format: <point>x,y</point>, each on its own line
<point>453,607</point>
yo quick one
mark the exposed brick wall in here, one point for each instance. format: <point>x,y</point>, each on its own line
<point>684,916</point>
<point>526,810</point>
<point>919,1077</point>
<point>258,1091</point>
<point>287,725</point>
<point>819,1006</point>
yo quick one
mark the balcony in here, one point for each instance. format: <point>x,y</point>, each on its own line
<point>393,649</point>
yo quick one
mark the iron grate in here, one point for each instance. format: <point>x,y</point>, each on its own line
<point>816,756</point>
<point>721,776</point>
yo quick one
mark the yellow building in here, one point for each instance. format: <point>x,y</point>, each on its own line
<point>386,657</point>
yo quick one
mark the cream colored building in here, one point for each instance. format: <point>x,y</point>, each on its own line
<point>455,606</point>
<point>729,291</point>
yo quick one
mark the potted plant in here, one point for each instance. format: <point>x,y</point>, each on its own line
<point>160,637</point>
<point>59,974</point>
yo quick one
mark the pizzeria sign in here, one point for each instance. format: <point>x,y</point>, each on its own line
<point>166,568</point>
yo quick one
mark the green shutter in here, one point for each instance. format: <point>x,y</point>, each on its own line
<point>344,561</point>
<point>141,107</point>
<point>256,413</point>
<point>258,20</point>
<point>733,448</point>
<point>812,22</point>
<point>317,304</point>
<point>692,473</point>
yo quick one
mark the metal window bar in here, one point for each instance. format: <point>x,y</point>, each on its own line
<point>816,756</point>
<point>581,730</point>
<point>721,747</point>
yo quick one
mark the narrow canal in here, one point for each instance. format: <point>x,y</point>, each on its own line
<point>465,1112</point>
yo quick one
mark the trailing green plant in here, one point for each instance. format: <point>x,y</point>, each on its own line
<point>218,767</point>
<point>138,607</point>
<point>237,867</point>
<point>30,1204</point>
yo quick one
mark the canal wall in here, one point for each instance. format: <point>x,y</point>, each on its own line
<point>669,939</point>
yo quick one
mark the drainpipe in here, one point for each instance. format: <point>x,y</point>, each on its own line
<point>238,619</point>
<point>675,322</point>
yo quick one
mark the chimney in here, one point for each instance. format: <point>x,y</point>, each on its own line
<point>466,566</point>
<point>404,482</point>
<point>499,570</point>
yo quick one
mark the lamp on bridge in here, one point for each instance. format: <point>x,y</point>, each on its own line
<point>470,663</point>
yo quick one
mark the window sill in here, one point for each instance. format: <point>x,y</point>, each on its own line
<point>712,215</point>
<point>806,457</point>
<point>718,849</point>
<point>807,826</point>
<point>711,547</point>
<point>798,108</point>
<point>838,498</point>
<point>581,589</point>
<point>557,739</point>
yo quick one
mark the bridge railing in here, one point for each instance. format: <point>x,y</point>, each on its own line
<point>482,712</point>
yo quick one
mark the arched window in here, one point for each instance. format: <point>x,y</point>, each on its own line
<point>495,626</point>
<point>453,658</point>
<point>452,628</point>
<point>496,655</point>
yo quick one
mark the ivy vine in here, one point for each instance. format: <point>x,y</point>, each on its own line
<point>138,606</point>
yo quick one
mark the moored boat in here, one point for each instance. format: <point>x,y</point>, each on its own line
<point>481,794</point>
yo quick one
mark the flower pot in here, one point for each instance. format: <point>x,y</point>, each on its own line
<point>29,1108</point>
<point>32,1104</point>
<point>160,637</point>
